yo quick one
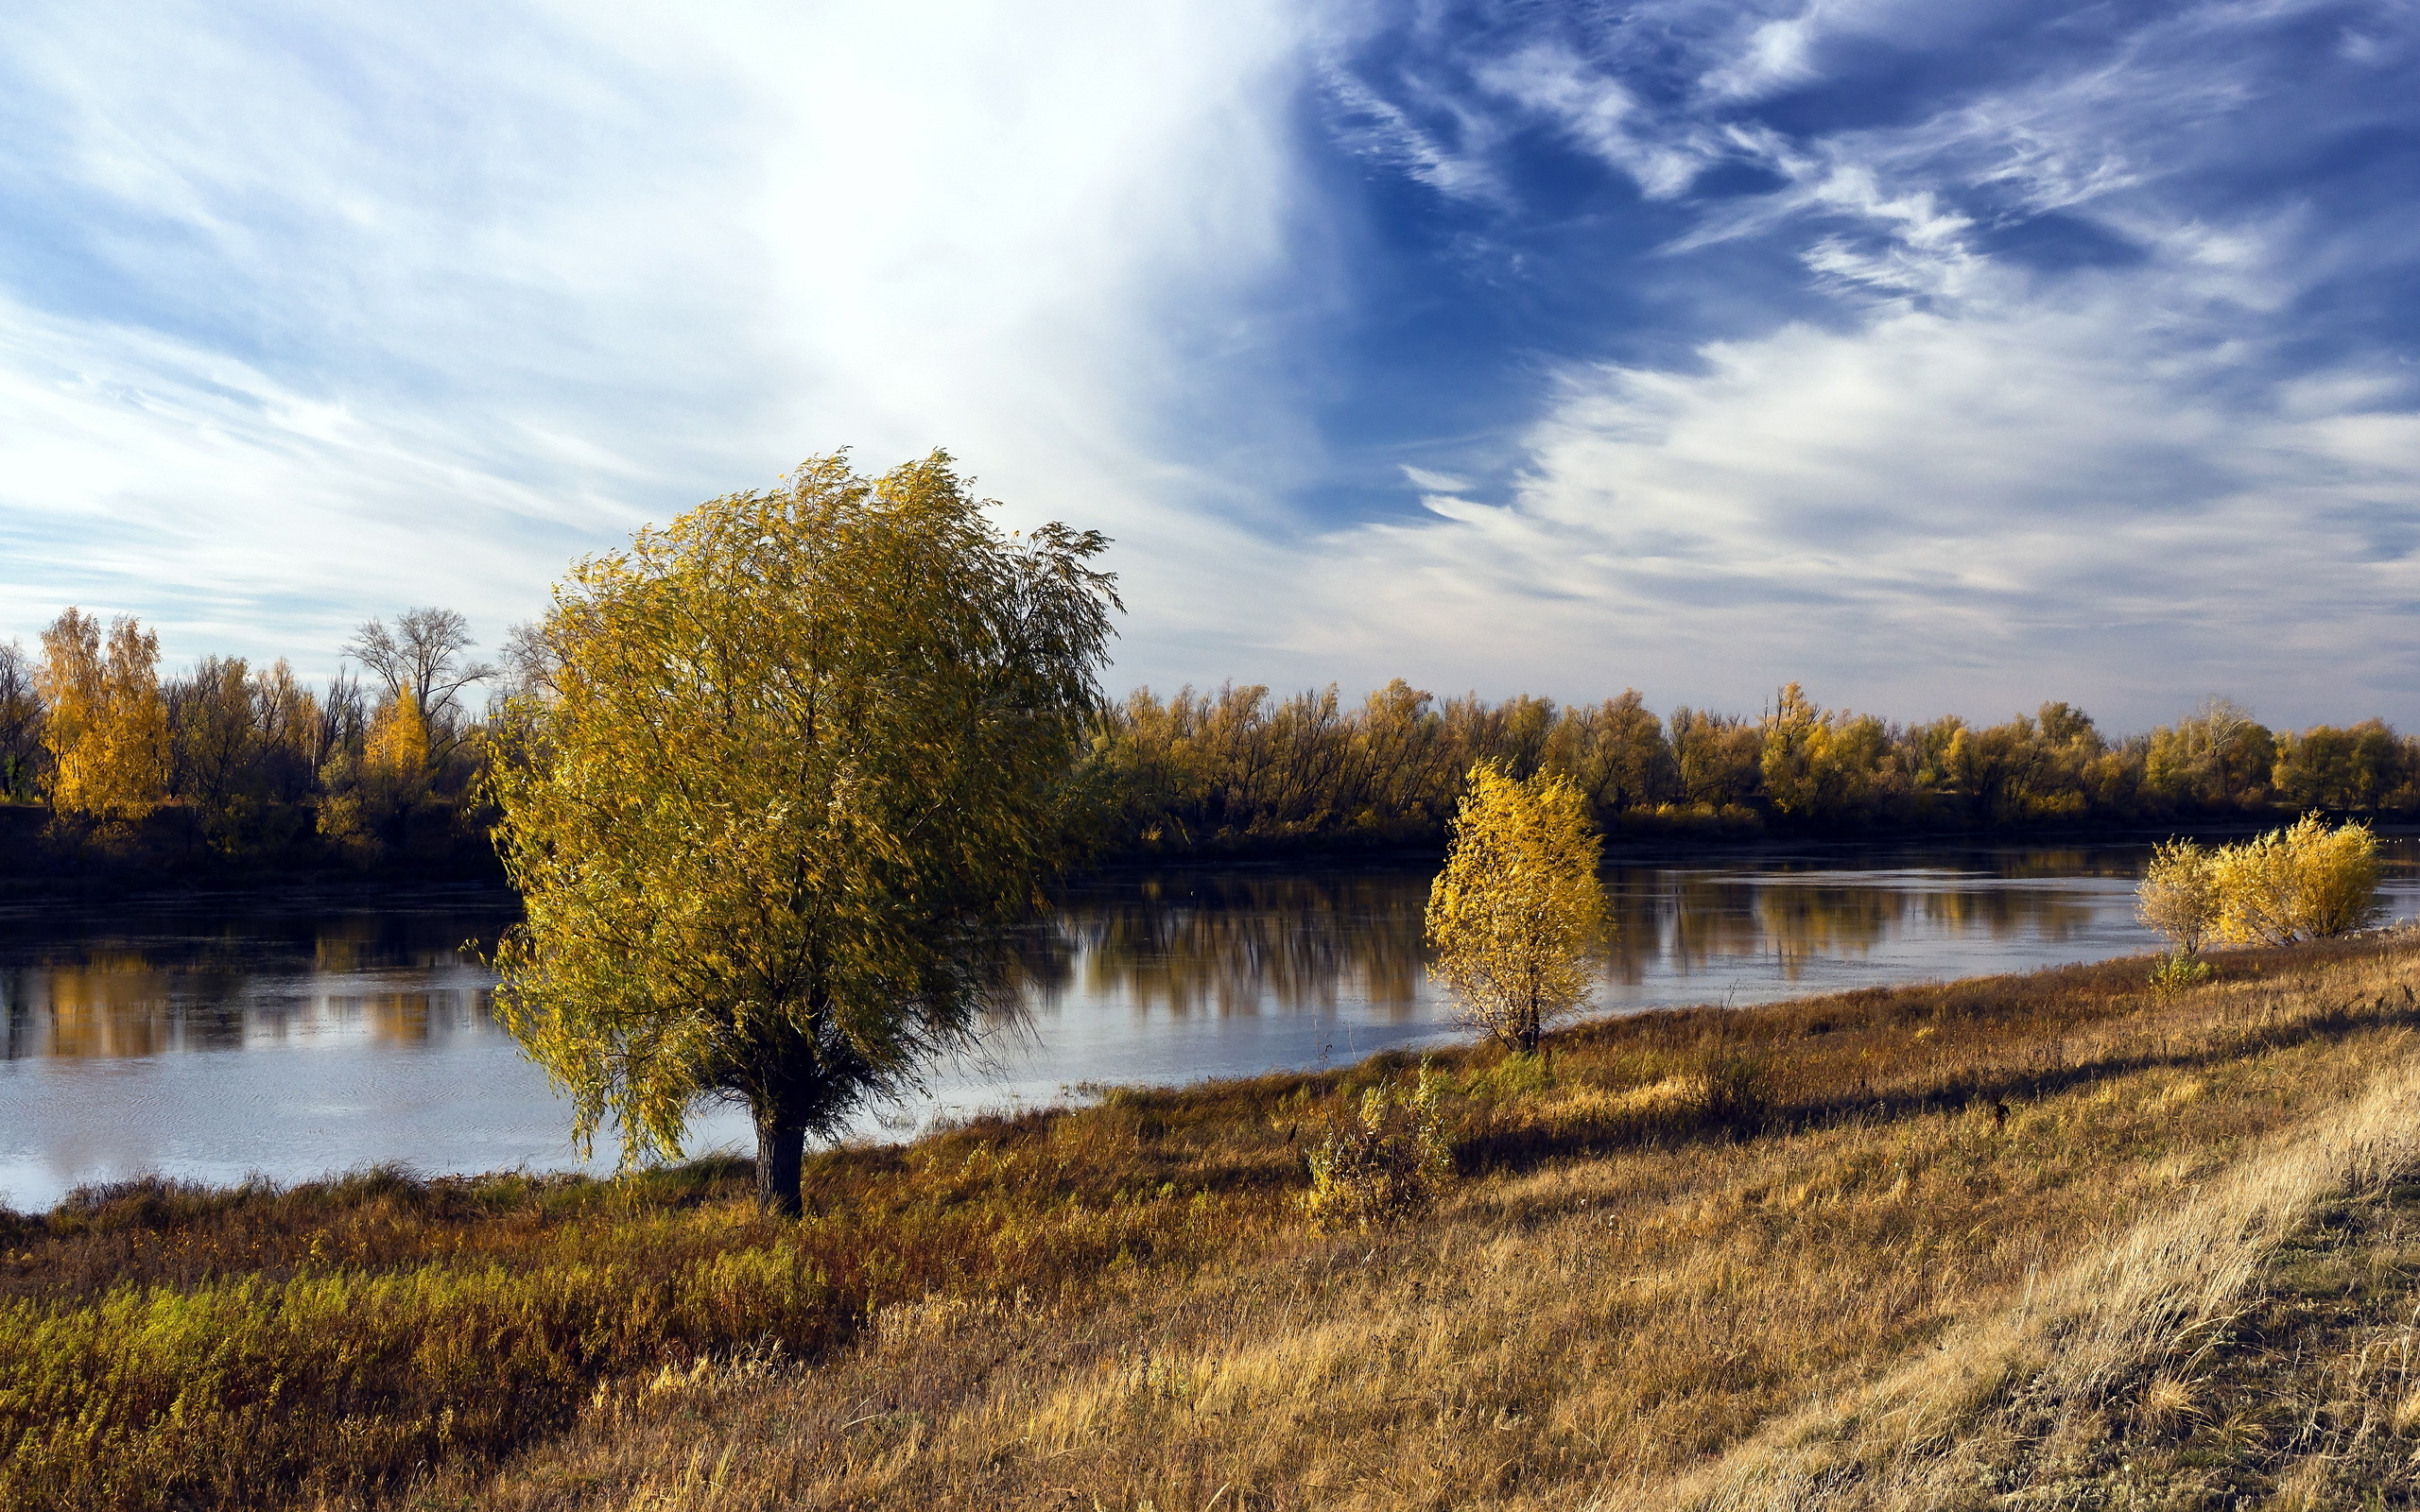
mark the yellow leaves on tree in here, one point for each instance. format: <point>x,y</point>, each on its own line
<point>2179,895</point>
<point>368,801</point>
<point>107,730</point>
<point>1517,914</point>
<point>395,751</point>
<point>2304,882</point>
<point>800,758</point>
<point>1816,762</point>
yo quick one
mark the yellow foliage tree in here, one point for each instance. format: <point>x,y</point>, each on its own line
<point>1517,912</point>
<point>107,729</point>
<point>1816,762</point>
<point>801,759</point>
<point>2305,882</point>
<point>2179,895</point>
<point>395,751</point>
<point>368,801</point>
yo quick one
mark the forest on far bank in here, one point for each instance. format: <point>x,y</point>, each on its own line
<point>107,761</point>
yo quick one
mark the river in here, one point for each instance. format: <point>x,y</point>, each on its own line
<point>288,1038</point>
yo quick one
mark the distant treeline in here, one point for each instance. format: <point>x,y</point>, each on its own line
<point>231,765</point>
<point>228,764</point>
<point>1240,770</point>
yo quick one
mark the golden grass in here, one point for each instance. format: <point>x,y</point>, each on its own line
<point>1979,1213</point>
<point>1937,1247</point>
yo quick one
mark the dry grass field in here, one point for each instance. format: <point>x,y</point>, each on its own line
<point>2052,1240</point>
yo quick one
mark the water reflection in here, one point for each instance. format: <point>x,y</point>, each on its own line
<point>213,1043</point>
<point>1242,942</point>
<point>1233,943</point>
<point>79,986</point>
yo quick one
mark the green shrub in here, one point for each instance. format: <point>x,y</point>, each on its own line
<point>2179,969</point>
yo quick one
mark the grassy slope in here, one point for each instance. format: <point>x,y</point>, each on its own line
<point>2026,1241</point>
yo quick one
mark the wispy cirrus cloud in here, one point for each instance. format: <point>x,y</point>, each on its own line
<point>2061,401</point>
<point>1934,512</point>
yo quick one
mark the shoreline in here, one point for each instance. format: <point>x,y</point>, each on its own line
<point>149,879</point>
<point>1703,1224</point>
<point>1443,1040</point>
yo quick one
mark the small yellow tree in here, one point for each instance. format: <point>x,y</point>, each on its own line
<point>2179,895</point>
<point>1517,912</point>
<point>108,725</point>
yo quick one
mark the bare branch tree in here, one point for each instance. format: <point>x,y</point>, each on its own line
<point>529,662</point>
<point>341,721</point>
<point>20,715</point>
<point>424,655</point>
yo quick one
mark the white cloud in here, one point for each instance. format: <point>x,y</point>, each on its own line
<point>1379,130</point>
<point>1420,477</point>
<point>359,317</point>
<point>1775,55</point>
<point>1663,157</point>
<point>2058,499</point>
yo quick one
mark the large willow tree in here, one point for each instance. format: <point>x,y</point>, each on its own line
<point>800,763</point>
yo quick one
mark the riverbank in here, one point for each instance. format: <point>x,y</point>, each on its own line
<point>1923,1246</point>
<point>170,854</point>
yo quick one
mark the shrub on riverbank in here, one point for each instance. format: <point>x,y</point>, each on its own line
<point>1387,1159</point>
<point>1127,1301</point>
<point>2305,882</point>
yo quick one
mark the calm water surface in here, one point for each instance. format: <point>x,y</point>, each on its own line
<point>213,1042</point>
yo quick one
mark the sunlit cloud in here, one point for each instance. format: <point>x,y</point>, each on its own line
<point>334,319</point>
<point>1951,357</point>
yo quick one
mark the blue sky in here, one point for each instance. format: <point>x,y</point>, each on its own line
<point>1947,358</point>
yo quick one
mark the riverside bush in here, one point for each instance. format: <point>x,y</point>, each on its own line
<point>2179,896</point>
<point>1730,1088</point>
<point>2178,970</point>
<point>2304,882</point>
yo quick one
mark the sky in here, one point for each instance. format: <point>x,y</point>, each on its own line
<point>1943,357</point>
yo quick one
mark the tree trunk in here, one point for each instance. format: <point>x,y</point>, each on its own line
<point>781,1148</point>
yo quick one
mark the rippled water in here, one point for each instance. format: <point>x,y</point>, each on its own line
<point>212,1041</point>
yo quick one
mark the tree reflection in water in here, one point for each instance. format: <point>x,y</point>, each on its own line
<point>1687,923</point>
<point>1238,942</point>
<point>1194,945</point>
<point>78,986</point>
